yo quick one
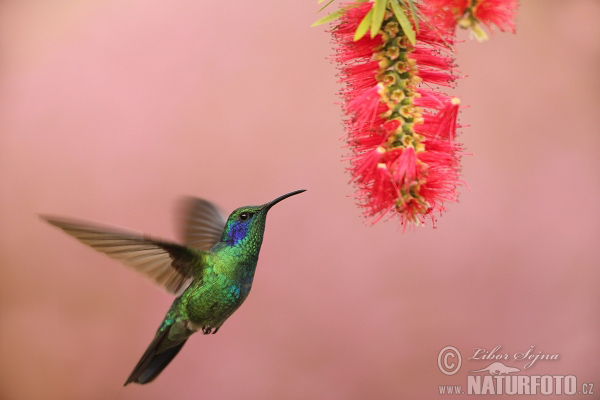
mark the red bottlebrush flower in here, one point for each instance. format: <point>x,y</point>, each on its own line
<point>500,13</point>
<point>366,164</point>
<point>401,132</point>
<point>382,191</point>
<point>446,14</point>
<point>405,169</point>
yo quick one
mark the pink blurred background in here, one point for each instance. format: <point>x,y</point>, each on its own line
<point>111,110</point>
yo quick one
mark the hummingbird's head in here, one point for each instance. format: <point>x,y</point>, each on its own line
<point>246,225</point>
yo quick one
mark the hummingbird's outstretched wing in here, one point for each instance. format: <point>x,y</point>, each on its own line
<point>202,223</point>
<point>168,264</point>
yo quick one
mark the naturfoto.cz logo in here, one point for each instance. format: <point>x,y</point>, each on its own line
<point>500,375</point>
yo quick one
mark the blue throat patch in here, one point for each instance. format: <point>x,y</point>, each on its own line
<point>238,230</point>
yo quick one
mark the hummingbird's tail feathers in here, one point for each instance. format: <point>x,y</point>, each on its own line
<point>168,264</point>
<point>153,362</point>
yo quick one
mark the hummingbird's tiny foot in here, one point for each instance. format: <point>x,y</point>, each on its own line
<point>206,330</point>
<point>215,331</point>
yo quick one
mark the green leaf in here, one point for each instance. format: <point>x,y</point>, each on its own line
<point>378,14</point>
<point>322,8</point>
<point>413,12</point>
<point>404,22</point>
<point>363,27</point>
<point>333,16</point>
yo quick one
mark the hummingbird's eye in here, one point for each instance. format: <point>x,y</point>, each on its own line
<point>245,215</point>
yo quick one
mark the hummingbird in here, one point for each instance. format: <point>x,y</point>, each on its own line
<point>210,274</point>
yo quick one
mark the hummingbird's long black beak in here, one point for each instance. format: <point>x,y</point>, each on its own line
<point>270,204</point>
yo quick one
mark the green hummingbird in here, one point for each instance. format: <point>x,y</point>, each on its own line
<point>211,273</point>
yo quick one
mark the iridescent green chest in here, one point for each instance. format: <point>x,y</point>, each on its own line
<point>224,286</point>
